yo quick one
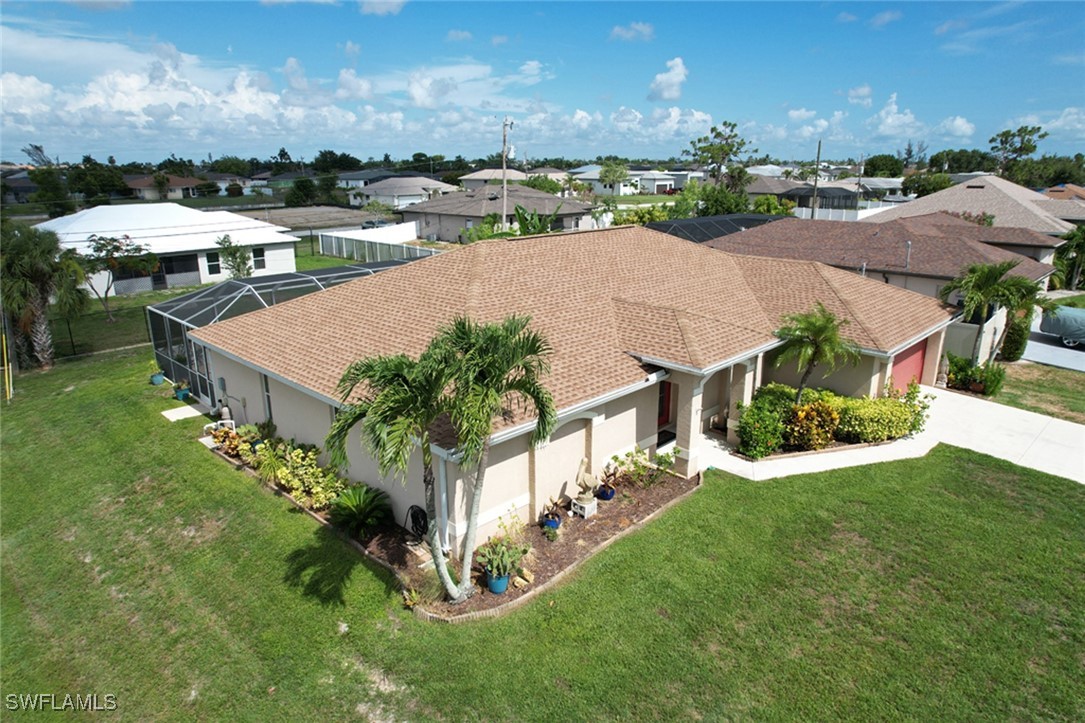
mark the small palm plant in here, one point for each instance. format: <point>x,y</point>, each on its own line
<point>814,338</point>
<point>359,509</point>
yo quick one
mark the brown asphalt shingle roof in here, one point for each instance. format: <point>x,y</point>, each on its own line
<point>600,297</point>
<point>483,201</point>
<point>940,252</point>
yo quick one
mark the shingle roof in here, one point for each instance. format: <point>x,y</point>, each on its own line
<point>1066,191</point>
<point>943,224</point>
<point>483,201</point>
<point>771,186</point>
<point>1011,205</point>
<point>405,185</point>
<point>602,299</point>
<point>848,245</point>
<point>494,174</point>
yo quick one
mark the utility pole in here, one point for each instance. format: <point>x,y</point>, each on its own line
<point>505,126</point>
<point>817,172</point>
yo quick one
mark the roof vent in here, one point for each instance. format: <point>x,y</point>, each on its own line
<point>975,185</point>
<point>493,196</point>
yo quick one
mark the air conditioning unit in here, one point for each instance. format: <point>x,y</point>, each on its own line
<point>431,237</point>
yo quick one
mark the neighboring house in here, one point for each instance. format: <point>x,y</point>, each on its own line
<point>656,182</point>
<point>285,181</point>
<point>1066,192</point>
<point>224,180</point>
<point>1011,205</point>
<point>655,342</point>
<point>478,179</point>
<point>920,255</point>
<point>18,187</point>
<point>400,192</point>
<point>182,238</point>
<point>771,186</point>
<point>360,179</point>
<point>145,187</point>
<point>705,228</point>
<point>682,176</point>
<point>447,217</point>
<point>554,174</point>
<point>626,188</point>
<point>829,197</point>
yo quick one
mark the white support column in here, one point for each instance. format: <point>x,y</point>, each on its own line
<point>688,424</point>
<point>744,376</point>
<point>933,357</point>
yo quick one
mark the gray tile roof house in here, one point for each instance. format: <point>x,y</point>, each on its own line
<point>1010,204</point>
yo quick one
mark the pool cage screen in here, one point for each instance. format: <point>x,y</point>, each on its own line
<point>170,321</point>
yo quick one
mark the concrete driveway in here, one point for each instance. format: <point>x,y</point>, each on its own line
<point>1025,438</point>
<point>1047,349</point>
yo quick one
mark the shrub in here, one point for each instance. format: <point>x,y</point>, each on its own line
<point>811,426</point>
<point>641,470</point>
<point>963,374</point>
<point>760,431</point>
<point>873,420</point>
<point>228,441</point>
<point>993,377</point>
<point>234,190</point>
<point>1013,348</point>
<point>360,508</point>
<point>312,485</point>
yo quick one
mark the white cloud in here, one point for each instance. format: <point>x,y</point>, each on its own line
<point>531,67</point>
<point>800,114</point>
<point>499,40</point>
<point>846,17</point>
<point>884,18</point>
<point>956,126</point>
<point>974,41</point>
<point>351,87</point>
<point>668,84</point>
<point>352,50</point>
<point>950,25</point>
<point>584,120</point>
<point>633,31</point>
<point>427,91</point>
<point>1069,59</point>
<point>458,36</point>
<point>381,7</point>
<point>1068,123</point>
<point>860,95</point>
<point>892,122</point>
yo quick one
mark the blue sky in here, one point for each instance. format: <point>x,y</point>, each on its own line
<point>140,80</point>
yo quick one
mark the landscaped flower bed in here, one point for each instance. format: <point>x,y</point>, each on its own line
<point>773,423</point>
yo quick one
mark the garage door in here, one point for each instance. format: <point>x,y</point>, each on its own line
<point>908,365</point>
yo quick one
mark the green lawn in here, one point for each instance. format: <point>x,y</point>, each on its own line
<point>307,256</point>
<point>1078,302</point>
<point>136,563</point>
<point>1048,390</point>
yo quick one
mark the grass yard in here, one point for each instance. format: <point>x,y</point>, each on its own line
<point>1078,302</point>
<point>136,563</point>
<point>307,256</point>
<point>1048,390</point>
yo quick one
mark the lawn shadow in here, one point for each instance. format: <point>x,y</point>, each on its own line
<point>323,569</point>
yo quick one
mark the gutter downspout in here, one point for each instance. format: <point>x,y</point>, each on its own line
<point>444,456</point>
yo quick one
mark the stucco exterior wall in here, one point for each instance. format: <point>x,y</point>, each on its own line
<point>867,378</point>
<point>244,394</point>
<point>919,284</point>
<point>960,337</point>
<point>278,258</point>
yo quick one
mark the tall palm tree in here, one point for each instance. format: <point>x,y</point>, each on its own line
<point>401,400</point>
<point>986,287</point>
<point>813,338</point>
<point>35,271</point>
<point>496,366</point>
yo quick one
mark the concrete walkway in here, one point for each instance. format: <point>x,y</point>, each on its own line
<point>1031,440</point>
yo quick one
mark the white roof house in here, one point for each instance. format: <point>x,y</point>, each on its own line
<point>480,178</point>
<point>184,240</point>
<point>402,192</point>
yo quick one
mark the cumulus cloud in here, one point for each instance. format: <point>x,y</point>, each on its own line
<point>668,84</point>
<point>800,114</point>
<point>846,17</point>
<point>892,122</point>
<point>1069,122</point>
<point>499,40</point>
<point>426,91</point>
<point>457,36</point>
<point>956,126</point>
<point>884,18</point>
<point>861,95</point>
<point>352,50</point>
<point>351,87</point>
<point>633,31</point>
<point>381,7</point>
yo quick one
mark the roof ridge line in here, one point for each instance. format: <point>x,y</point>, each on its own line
<point>843,300</point>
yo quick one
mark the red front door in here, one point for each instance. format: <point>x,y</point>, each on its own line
<point>664,410</point>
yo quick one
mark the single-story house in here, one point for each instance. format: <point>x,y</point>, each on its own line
<point>446,218</point>
<point>656,182</point>
<point>360,179</point>
<point>554,174</point>
<point>1011,205</point>
<point>224,180</point>
<point>771,186</point>
<point>146,188</point>
<point>486,176</point>
<point>920,255</point>
<point>18,188</point>
<point>656,341</point>
<point>682,176</point>
<point>400,192</point>
<point>828,197</point>
<point>182,238</point>
<point>627,187</point>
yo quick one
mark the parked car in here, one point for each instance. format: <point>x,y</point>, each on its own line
<point>375,223</point>
<point>1067,323</point>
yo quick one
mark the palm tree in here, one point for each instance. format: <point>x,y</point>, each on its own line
<point>813,338</point>
<point>497,365</point>
<point>402,400</point>
<point>984,288</point>
<point>35,271</point>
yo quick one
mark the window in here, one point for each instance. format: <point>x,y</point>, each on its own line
<point>258,260</point>
<point>267,397</point>
<point>213,265</point>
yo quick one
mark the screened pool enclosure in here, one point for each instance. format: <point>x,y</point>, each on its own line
<point>170,321</point>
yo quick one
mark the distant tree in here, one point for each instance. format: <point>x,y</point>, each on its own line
<point>544,184</point>
<point>772,206</point>
<point>95,180</point>
<point>326,187</point>
<point>175,166</point>
<point>924,184</point>
<point>913,155</point>
<point>722,146</point>
<point>107,256</point>
<point>208,189</point>
<point>52,192</point>
<point>613,174</point>
<point>233,166</point>
<point>883,166</point>
<point>236,258</point>
<point>1047,171</point>
<point>640,215</point>
<point>812,339</point>
<point>1009,146</point>
<point>686,202</point>
<point>37,271</point>
<point>304,193</point>
<point>38,157</point>
<point>235,190</point>
<point>736,179</point>
<point>328,161</point>
<point>718,200</point>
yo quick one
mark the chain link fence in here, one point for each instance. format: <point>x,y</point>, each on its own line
<point>93,332</point>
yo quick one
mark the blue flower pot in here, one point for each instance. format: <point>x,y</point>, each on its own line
<point>181,394</point>
<point>605,493</point>
<point>157,379</point>
<point>497,585</point>
<point>552,521</point>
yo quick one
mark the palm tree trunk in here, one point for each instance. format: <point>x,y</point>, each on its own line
<point>41,336</point>
<point>1010,318</point>
<point>467,589</point>
<point>437,550</point>
<point>976,345</point>
<point>802,383</point>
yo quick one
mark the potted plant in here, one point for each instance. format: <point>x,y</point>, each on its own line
<point>552,513</point>
<point>157,375</point>
<point>180,390</point>
<point>608,485</point>
<point>500,557</point>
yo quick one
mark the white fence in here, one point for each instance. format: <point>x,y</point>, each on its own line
<point>375,244</point>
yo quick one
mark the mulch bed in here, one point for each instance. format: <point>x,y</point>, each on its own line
<point>577,539</point>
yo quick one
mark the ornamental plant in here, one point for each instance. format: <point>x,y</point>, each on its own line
<point>760,431</point>
<point>642,470</point>
<point>811,426</point>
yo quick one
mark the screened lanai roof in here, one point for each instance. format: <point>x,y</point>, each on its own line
<point>232,298</point>
<point>706,228</point>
